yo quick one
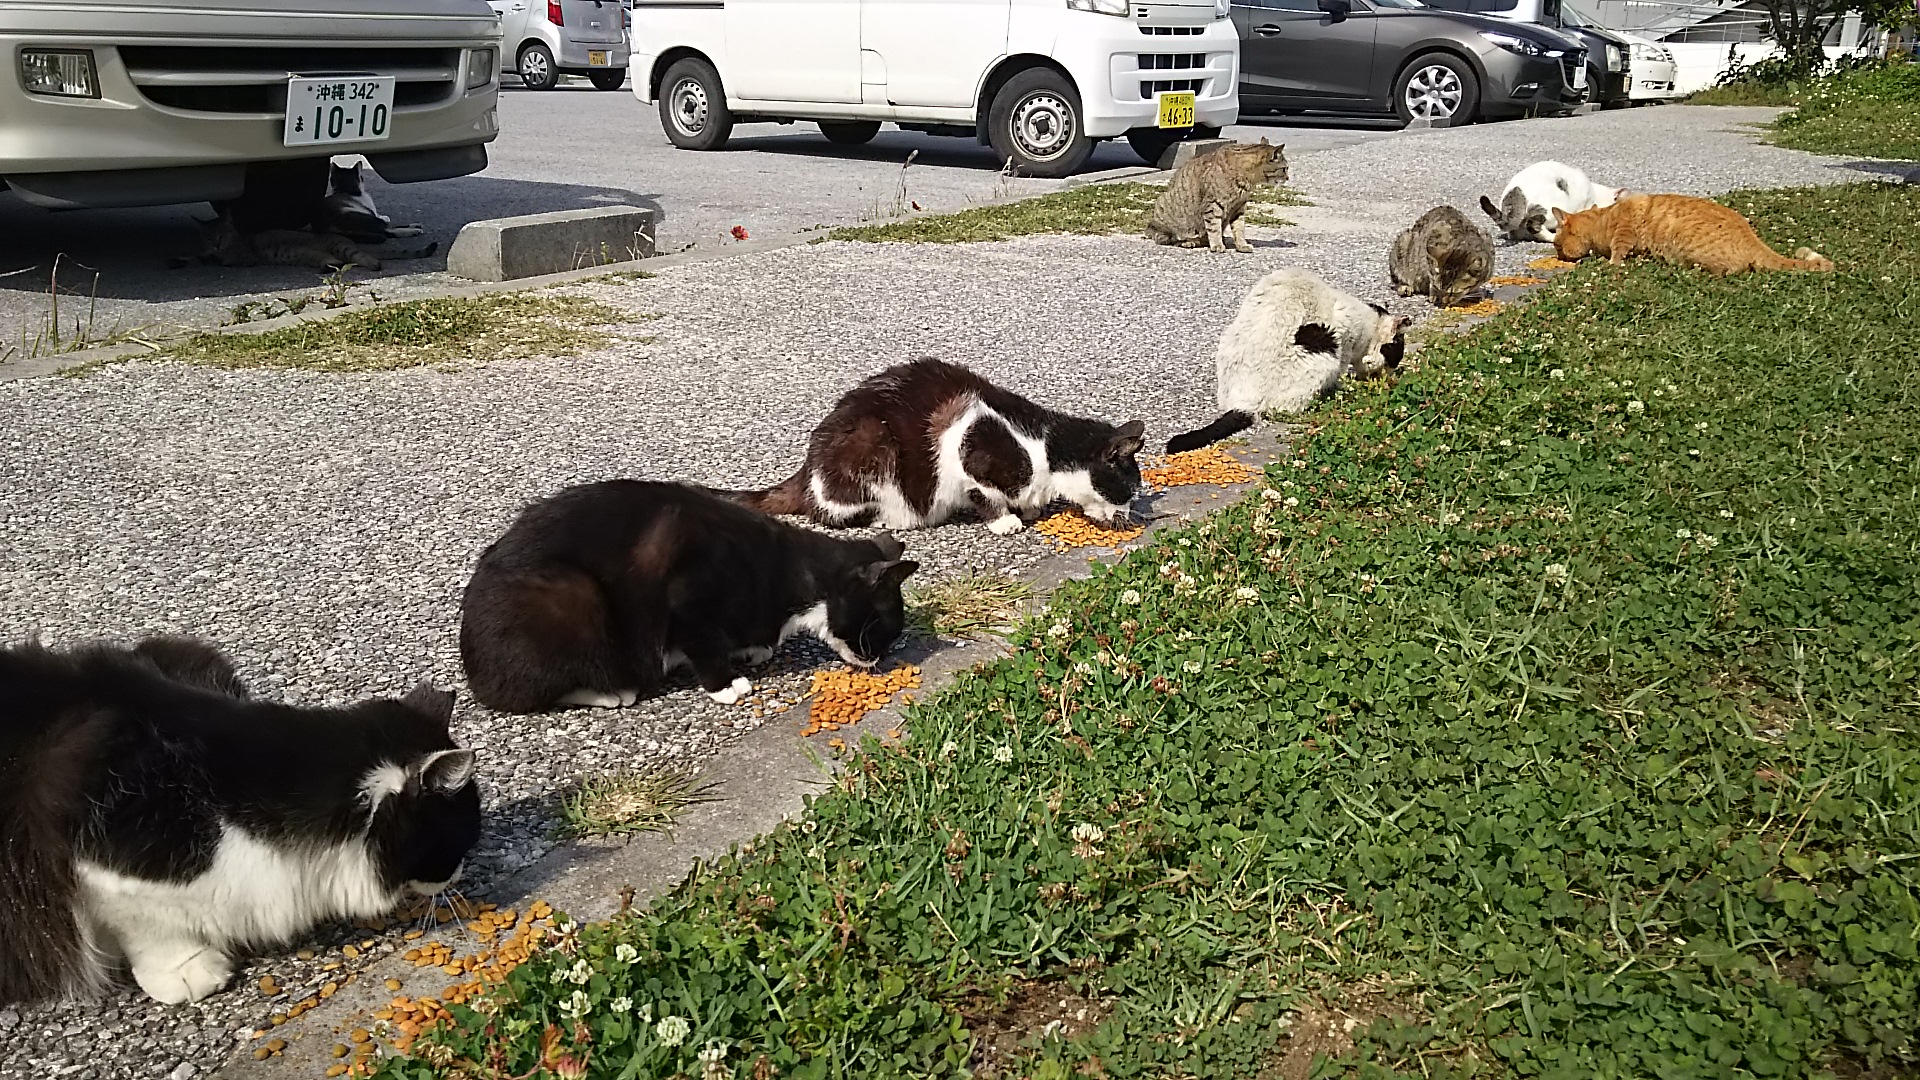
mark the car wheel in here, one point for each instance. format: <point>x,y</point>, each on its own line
<point>1036,124</point>
<point>537,69</point>
<point>607,78</point>
<point>1152,143</point>
<point>1437,87</point>
<point>849,132</point>
<point>693,108</point>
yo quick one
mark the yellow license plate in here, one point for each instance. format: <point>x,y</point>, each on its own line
<point>1176,110</point>
<point>599,59</point>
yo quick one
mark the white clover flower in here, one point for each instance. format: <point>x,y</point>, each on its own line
<point>1299,463</point>
<point>625,953</point>
<point>644,1013</point>
<point>1557,373</point>
<point>672,1030</point>
<point>1695,452</point>
<point>1701,426</point>
<point>1657,392</point>
<point>816,852</point>
<point>1184,542</point>
<point>1672,388</point>
<point>1185,586</point>
<point>949,748</point>
<point>1292,502</point>
<point>621,1004</point>
<point>1169,568</point>
<point>577,1005</point>
<point>1506,442</point>
<point>1555,574</point>
<point>1003,754</point>
<point>1088,833</point>
<point>1449,517</point>
<point>1191,667</point>
<point>1131,596</point>
<point>1059,630</point>
<point>713,1054</point>
<point>809,825</point>
<point>1270,494</point>
<point>1636,406</point>
<point>580,974</point>
<point>1707,543</point>
<point>1683,534</point>
<point>1725,513</point>
<point>1247,592</point>
<point>1081,667</point>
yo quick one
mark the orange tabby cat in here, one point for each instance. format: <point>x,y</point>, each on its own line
<point>1678,228</point>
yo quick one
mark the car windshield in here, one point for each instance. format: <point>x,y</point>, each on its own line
<point>1571,17</point>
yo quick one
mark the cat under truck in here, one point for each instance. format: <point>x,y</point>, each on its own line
<point>151,102</point>
<point>1041,81</point>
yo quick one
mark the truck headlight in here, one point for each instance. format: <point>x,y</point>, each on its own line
<point>1615,61</point>
<point>1513,43</point>
<point>1104,7</point>
<point>59,72</point>
<point>481,65</point>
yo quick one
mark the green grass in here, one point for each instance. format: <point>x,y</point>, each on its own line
<point>972,605</point>
<point>1551,713</point>
<point>497,326</point>
<point>1873,113</point>
<point>624,804</point>
<point>1745,93</point>
<point>1092,209</point>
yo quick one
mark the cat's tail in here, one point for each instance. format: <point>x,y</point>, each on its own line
<point>1231,422</point>
<point>44,951</point>
<point>789,496</point>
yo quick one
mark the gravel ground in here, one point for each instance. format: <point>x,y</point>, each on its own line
<point>320,527</point>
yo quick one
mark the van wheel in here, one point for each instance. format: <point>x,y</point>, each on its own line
<point>693,108</point>
<point>537,69</point>
<point>607,78</point>
<point>1153,143</point>
<point>1035,122</point>
<point>1437,87</point>
<point>849,132</point>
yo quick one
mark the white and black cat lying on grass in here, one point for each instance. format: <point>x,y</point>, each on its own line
<point>918,442</point>
<point>596,592</point>
<point>152,815</point>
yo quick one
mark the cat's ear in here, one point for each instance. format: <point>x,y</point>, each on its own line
<point>1559,216</point>
<point>1126,441</point>
<point>890,547</point>
<point>888,574</point>
<point>446,771</point>
<point>429,702</point>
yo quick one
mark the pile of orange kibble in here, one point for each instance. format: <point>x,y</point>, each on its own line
<point>409,1016</point>
<point>1479,307</point>
<point>1549,262</point>
<point>842,697</point>
<point>1207,465</point>
<point>1071,529</point>
<point>1515,279</point>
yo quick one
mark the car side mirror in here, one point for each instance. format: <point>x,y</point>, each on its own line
<point>1338,9</point>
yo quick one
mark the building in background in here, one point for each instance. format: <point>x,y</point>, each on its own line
<point>1705,36</point>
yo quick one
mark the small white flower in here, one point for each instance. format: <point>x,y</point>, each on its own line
<point>1088,833</point>
<point>1672,389</point>
<point>1169,568</point>
<point>1299,463</point>
<point>1657,392</point>
<point>949,748</point>
<point>1707,543</point>
<point>1270,494</point>
<point>626,954</point>
<point>1701,426</point>
<point>1083,668</point>
<point>1247,592</point>
<point>644,1013</point>
<point>577,1005</point>
<point>1184,542</point>
<point>1726,513</point>
<point>808,826</point>
<point>672,1030</point>
<point>1557,373</point>
<point>1292,502</point>
<point>712,1054</point>
<point>1058,630</point>
<point>1003,754</point>
<point>816,851</point>
<point>1683,534</point>
<point>621,1004</point>
<point>1694,452</point>
<point>580,974</point>
<point>1555,574</point>
<point>1191,667</point>
<point>1506,442</point>
<point>1449,517</point>
<point>1636,406</point>
<point>1131,596</point>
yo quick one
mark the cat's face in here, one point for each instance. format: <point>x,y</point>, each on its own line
<point>426,810</point>
<point>1260,163</point>
<point>866,613</point>
<point>1386,346</point>
<point>1114,474</point>
<point>1457,274</point>
<point>344,179</point>
<point>1574,239</point>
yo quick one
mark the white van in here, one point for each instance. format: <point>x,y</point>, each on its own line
<point>1040,81</point>
<point>545,39</point>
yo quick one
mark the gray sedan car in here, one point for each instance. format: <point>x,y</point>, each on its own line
<point>1401,57</point>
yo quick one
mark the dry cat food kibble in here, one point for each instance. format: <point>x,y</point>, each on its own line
<point>409,1016</point>
<point>1071,529</point>
<point>1480,307</point>
<point>1207,465</point>
<point>1515,279</point>
<point>842,697</point>
<point>1549,262</point>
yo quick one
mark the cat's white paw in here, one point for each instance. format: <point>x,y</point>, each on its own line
<point>628,697</point>
<point>1005,525</point>
<point>732,694</point>
<point>594,699</point>
<point>187,979</point>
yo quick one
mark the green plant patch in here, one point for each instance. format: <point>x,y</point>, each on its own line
<point>1551,712</point>
<point>972,605</point>
<point>413,333</point>
<point>1872,113</point>
<point>626,803</point>
<point>1092,209</point>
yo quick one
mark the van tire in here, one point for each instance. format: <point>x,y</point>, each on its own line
<point>849,132</point>
<point>693,107</point>
<point>537,68</point>
<point>607,78</point>
<point>1035,122</point>
<point>1153,143</point>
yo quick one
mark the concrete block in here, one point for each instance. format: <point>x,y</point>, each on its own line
<point>1587,109</point>
<point>1182,152</point>
<point>505,249</point>
<point>1422,123</point>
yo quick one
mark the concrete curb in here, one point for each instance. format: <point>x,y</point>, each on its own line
<point>762,780</point>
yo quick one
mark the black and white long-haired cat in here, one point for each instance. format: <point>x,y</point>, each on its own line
<point>596,592</point>
<point>348,208</point>
<point>154,816</point>
<point>918,442</point>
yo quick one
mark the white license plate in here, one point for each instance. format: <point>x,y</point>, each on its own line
<point>1580,77</point>
<point>338,109</point>
<point>596,58</point>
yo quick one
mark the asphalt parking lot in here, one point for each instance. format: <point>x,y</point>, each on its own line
<point>565,149</point>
